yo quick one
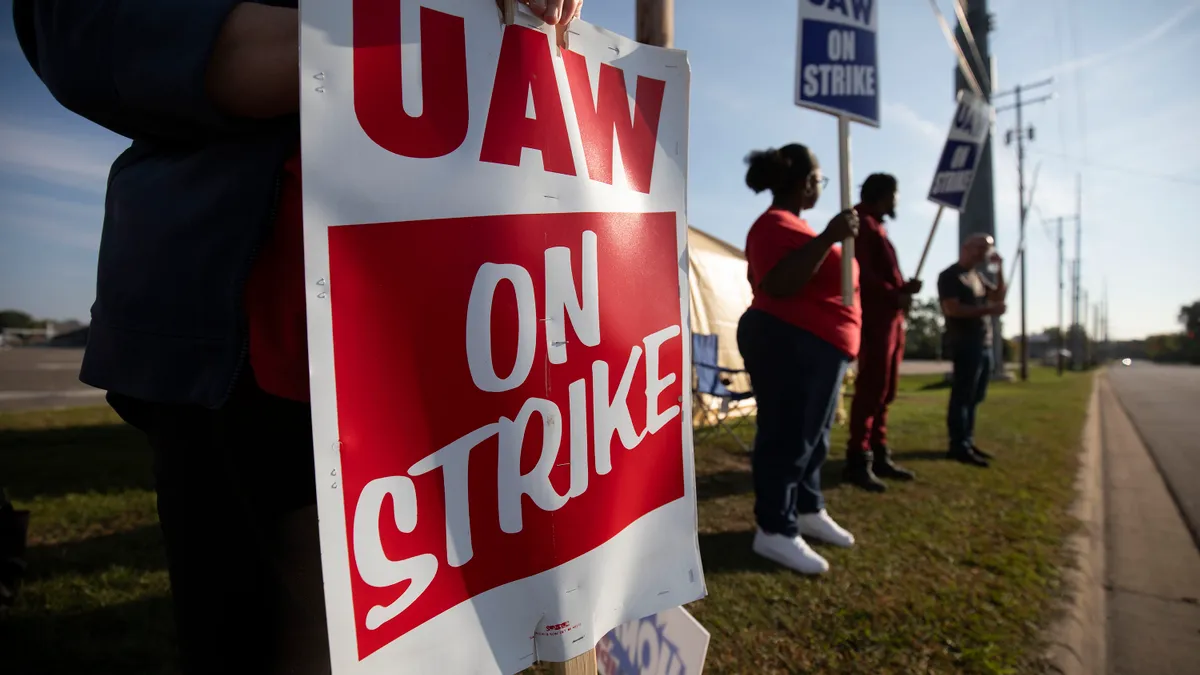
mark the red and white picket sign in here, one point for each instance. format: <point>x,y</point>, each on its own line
<point>495,238</point>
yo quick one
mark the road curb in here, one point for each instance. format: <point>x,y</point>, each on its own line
<point>1078,637</point>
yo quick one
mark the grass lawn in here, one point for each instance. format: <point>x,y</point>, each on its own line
<point>956,573</point>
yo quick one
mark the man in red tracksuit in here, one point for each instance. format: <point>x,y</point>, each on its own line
<point>886,298</point>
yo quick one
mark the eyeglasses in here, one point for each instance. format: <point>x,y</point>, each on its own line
<point>823,180</point>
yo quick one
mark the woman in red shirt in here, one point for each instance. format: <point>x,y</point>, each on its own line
<point>796,339</point>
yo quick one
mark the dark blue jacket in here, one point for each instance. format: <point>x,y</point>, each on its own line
<point>188,204</point>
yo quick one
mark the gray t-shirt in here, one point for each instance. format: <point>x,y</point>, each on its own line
<point>971,289</point>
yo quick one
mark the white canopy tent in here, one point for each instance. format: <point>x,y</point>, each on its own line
<point>720,293</point>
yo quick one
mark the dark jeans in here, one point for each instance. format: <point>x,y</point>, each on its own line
<point>972,371</point>
<point>796,378</point>
<point>237,506</point>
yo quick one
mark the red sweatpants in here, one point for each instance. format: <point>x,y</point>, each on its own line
<point>875,384</point>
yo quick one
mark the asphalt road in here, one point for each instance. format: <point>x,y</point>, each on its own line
<point>33,378</point>
<point>1164,404</point>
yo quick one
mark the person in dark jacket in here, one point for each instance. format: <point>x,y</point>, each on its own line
<point>886,297</point>
<point>198,328</point>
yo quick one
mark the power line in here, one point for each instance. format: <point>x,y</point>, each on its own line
<point>961,13</point>
<point>963,65</point>
<point>1176,178</point>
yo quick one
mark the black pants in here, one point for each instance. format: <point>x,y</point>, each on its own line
<point>237,505</point>
<point>796,377</point>
<point>972,372</point>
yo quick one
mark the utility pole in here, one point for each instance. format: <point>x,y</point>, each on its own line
<point>1061,340</point>
<point>1077,356</point>
<point>1083,329</point>
<point>1021,134</point>
<point>1075,329</point>
<point>656,22</point>
<point>1104,326</point>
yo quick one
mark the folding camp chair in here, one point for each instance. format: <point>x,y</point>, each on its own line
<point>711,393</point>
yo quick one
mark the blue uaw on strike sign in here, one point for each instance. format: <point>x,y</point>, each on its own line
<point>837,67</point>
<point>960,156</point>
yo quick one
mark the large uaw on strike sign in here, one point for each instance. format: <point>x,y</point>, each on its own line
<point>960,156</point>
<point>495,256</point>
<point>837,71</point>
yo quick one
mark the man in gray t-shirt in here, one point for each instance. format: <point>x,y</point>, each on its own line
<point>969,302</point>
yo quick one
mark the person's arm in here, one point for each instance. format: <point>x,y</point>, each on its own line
<point>953,308</point>
<point>254,70</point>
<point>148,69</point>
<point>797,266</point>
<point>998,292</point>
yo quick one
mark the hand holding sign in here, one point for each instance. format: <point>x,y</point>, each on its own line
<point>555,11</point>
<point>843,226</point>
<point>558,13</point>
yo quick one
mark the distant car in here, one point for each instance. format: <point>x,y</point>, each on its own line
<point>1127,362</point>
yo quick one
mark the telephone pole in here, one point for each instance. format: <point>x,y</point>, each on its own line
<point>1062,333</point>
<point>1021,133</point>
<point>1077,355</point>
<point>656,22</point>
<point>1104,320</point>
<point>1083,330</point>
<point>1061,341</point>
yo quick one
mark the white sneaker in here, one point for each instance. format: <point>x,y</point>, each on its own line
<point>821,526</point>
<point>791,552</point>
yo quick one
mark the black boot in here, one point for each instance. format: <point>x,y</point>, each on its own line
<point>14,528</point>
<point>986,455</point>
<point>967,456</point>
<point>884,467</point>
<point>858,472</point>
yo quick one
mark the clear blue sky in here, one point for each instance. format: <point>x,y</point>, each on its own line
<point>1128,97</point>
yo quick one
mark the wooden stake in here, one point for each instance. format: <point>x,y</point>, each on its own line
<point>929,241</point>
<point>655,26</point>
<point>656,22</point>
<point>584,664</point>
<point>847,202</point>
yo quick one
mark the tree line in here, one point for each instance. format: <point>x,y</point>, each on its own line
<point>926,329</point>
<point>1180,347</point>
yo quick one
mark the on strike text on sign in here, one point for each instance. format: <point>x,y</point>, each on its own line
<point>515,336</point>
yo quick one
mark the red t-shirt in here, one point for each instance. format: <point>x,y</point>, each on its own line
<point>818,307</point>
<point>274,298</point>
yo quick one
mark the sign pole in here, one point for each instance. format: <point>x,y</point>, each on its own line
<point>584,664</point>
<point>847,202</point>
<point>655,26</point>
<point>656,22</point>
<point>929,241</point>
